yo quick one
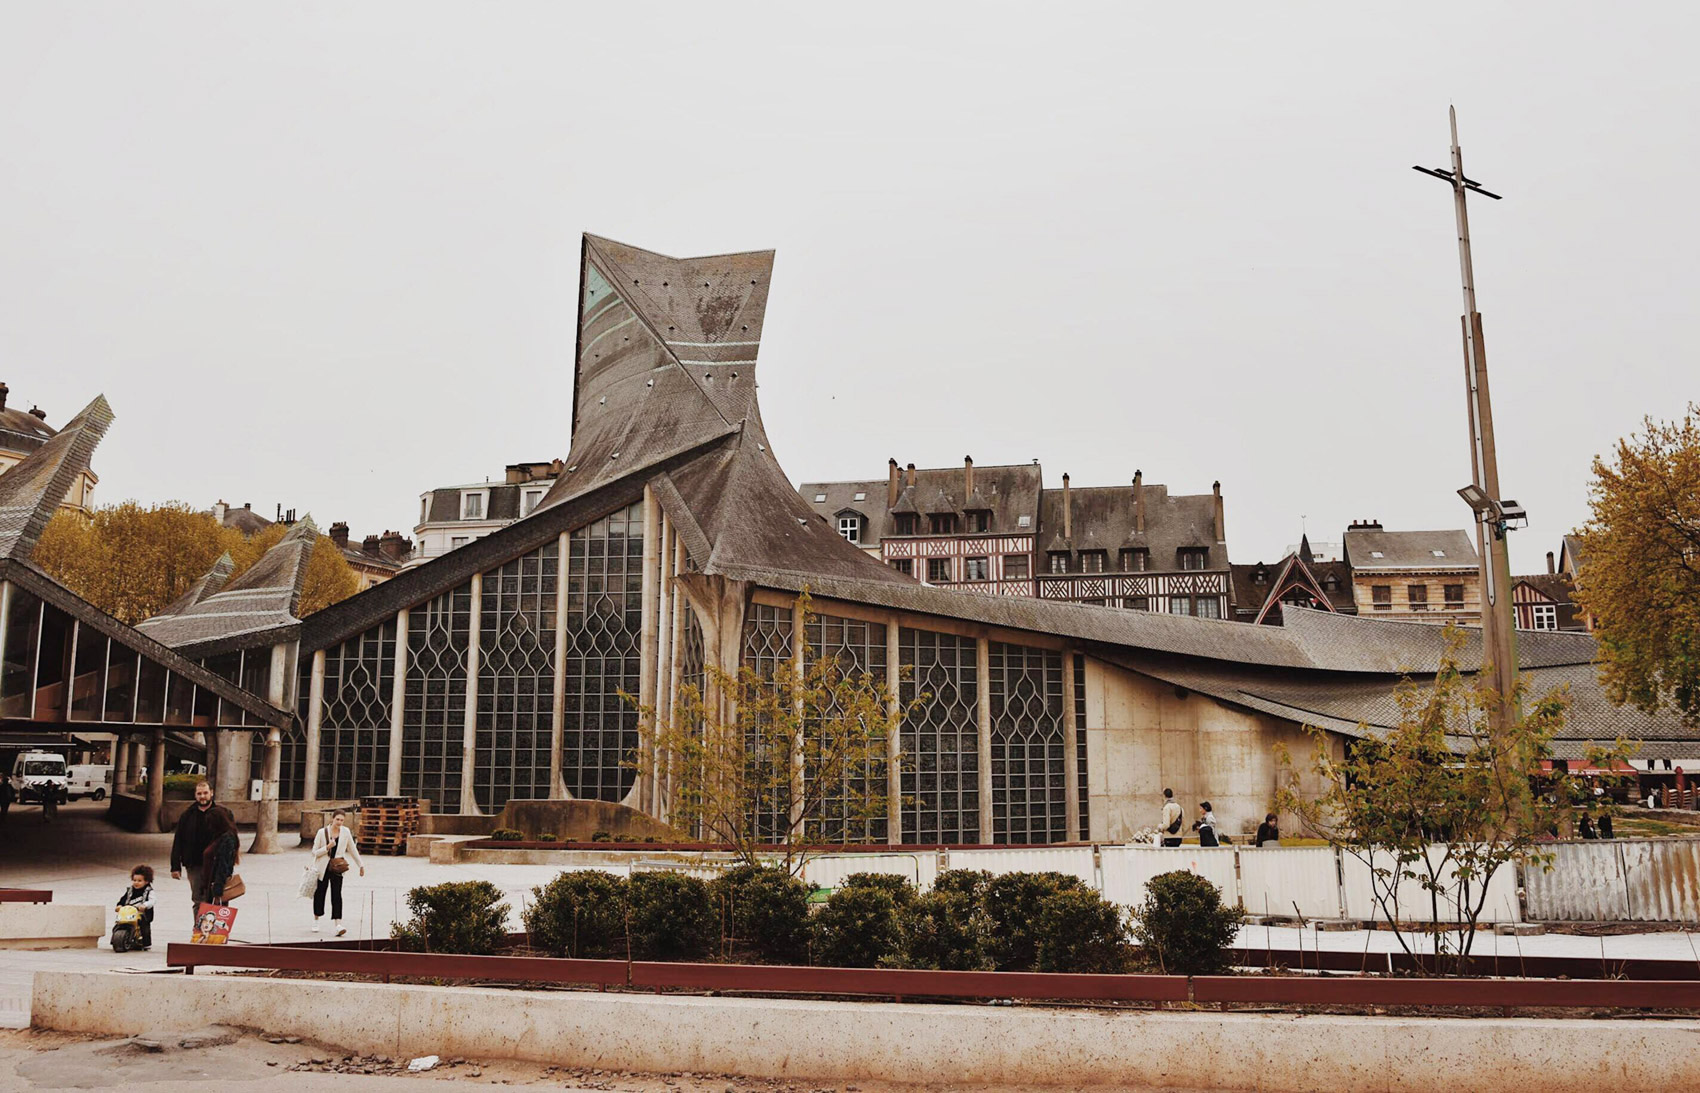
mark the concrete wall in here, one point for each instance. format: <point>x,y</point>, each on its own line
<point>51,925</point>
<point>1143,735</point>
<point>1021,1047</point>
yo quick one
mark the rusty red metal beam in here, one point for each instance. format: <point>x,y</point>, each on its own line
<point>906,983</point>
<point>25,895</point>
<point>1504,965</point>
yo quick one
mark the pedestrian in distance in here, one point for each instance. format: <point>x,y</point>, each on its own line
<point>1586,827</point>
<point>333,852</point>
<point>1170,827</point>
<point>1269,831</point>
<point>189,845</point>
<point>1605,825</point>
<point>7,796</point>
<point>1205,825</point>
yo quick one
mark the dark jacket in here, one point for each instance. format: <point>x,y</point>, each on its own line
<point>1267,833</point>
<point>196,830</point>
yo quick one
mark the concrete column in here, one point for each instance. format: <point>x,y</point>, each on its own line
<point>799,666</point>
<point>212,741</point>
<point>1071,754</point>
<point>469,733</point>
<point>398,701</point>
<point>120,764</point>
<point>235,760</point>
<point>647,638</point>
<point>893,743</point>
<point>156,785</point>
<point>265,819</point>
<point>315,707</point>
<point>983,678</point>
<point>664,663</point>
<point>558,711</point>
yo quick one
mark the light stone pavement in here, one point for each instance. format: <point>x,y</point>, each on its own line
<point>83,859</point>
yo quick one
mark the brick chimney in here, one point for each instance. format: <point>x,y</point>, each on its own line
<point>339,535</point>
<point>1068,512</point>
<point>893,484</point>
<point>1552,564</point>
<point>1221,532</point>
<point>967,477</point>
<point>369,545</point>
<point>1139,502</point>
<point>393,546</point>
<point>909,479</point>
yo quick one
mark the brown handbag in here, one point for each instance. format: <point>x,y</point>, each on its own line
<point>339,865</point>
<point>233,888</point>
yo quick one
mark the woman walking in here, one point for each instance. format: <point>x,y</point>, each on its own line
<point>218,860</point>
<point>333,849</point>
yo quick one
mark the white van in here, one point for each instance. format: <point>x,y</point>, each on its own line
<point>37,773</point>
<point>92,780</point>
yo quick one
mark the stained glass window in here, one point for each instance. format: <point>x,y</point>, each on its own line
<point>767,644</point>
<point>604,631</point>
<point>434,702</point>
<point>1028,722</point>
<point>941,779</point>
<point>516,679</point>
<point>354,723</point>
<point>859,648</point>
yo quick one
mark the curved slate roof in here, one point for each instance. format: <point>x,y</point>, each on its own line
<point>33,489</point>
<point>261,601</point>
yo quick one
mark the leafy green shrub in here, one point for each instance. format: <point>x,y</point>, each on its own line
<point>548,837</point>
<point>765,907</point>
<point>1183,925</point>
<point>1082,932</point>
<point>507,835</point>
<point>1012,903</point>
<point>857,927</point>
<point>457,917</point>
<point>899,888</point>
<point>579,914</point>
<point>602,837</point>
<point>177,786</point>
<point>946,929</point>
<point>965,882</point>
<point>670,916</point>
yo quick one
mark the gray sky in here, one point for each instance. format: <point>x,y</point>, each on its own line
<point>326,254</point>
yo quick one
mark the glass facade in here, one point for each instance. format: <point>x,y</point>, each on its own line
<point>354,721</point>
<point>1029,719</point>
<point>604,631</point>
<point>516,679</point>
<point>859,649</point>
<point>1078,700</point>
<point>434,698</point>
<point>941,740</point>
<point>767,645</point>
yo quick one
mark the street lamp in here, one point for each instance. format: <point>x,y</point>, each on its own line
<point>1502,516</point>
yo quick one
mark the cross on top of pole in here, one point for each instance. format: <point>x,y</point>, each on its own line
<point>1456,177</point>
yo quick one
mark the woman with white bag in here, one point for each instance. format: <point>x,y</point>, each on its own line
<point>333,852</point>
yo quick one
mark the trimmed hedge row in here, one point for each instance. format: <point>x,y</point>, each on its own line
<point>970,921</point>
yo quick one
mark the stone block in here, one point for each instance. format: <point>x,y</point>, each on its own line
<point>51,925</point>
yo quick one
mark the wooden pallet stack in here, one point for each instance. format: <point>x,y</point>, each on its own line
<point>385,824</point>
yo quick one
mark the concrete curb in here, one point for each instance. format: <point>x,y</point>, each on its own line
<point>847,1041</point>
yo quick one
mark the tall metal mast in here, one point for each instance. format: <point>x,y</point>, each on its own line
<point>1494,516</point>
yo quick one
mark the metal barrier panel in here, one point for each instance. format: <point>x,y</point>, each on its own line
<point>1413,902</point>
<point>1662,879</point>
<point>1585,884</point>
<point>1128,868</point>
<point>921,868</point>
<point>1286,880</point>
<point>1076,861</point>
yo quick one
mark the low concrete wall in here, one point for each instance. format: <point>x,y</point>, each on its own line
<point>848,1041</point>
<point>127,810</point>
<point>51,925</point>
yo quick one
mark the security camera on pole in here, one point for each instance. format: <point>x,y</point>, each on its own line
<point>1494,516</point>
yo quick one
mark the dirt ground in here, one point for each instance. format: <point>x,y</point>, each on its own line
<point>223,1058</point>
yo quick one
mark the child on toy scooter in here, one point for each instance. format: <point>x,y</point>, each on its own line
<point>140,896</point>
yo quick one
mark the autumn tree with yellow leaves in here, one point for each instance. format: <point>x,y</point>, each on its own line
<point>132,560</point>
<point>1640,576</point>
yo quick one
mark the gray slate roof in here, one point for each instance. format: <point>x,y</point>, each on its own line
<point>1007,492</point>
<point>259,603</point>
<point>22,431</point>
<point>1104,519</point>
<point>32,490</point>
<point>1402,550</point>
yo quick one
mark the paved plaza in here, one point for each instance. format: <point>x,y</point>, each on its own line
<point>84,859</point>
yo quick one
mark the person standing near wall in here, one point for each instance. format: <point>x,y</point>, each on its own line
<point>1205,825</point>
<point>1269,831</point>
<point>1170,826</point>
<point>333,852</point>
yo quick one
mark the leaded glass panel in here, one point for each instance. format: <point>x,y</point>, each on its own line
<point>859,648</point>
<point>604,630</point>
<point>516,679</point>
<point>1079,699</point>
<point>1028,720</point>
<point>941,780</point>
<point>354,720</point>
<point>434,710</point>
<point>767,645</point>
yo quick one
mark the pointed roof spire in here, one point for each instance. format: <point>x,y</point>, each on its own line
<point>32,491</point>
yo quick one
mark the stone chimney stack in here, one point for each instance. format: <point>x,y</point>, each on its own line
<point>1139,501</point>
<point>393,546</point>
<point>1552,564</point>
<point>1221,532</point>
<point>339,534</point>
<point>1068,512</point>
<point>369,545</point>
<point>967,477</point>
<point>219,510</point>
<point>909,478</point>
<point>893,484</point>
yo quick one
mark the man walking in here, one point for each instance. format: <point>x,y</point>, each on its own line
<point>1170,827</point>
<point>196,828</point>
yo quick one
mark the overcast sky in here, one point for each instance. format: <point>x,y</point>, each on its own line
<point>326,254</point>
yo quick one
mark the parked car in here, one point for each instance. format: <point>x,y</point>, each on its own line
<point>89,780</point>
<point>35,774</point>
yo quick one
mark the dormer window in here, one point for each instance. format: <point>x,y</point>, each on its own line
<point>1058,561</point>
<point>850,526</point>
<point>424,509</point>
<point>943,523</point>
<point>1331,583</point>
<point>1134,560</point>
<point>907,523</point>
<point>1194,557</point>
<point>979,520</point>
<point>1260,577</point>
<point>472,505</point>
<point>529,503</point>
<point>1024,521</point>
<point>1091,561</point>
